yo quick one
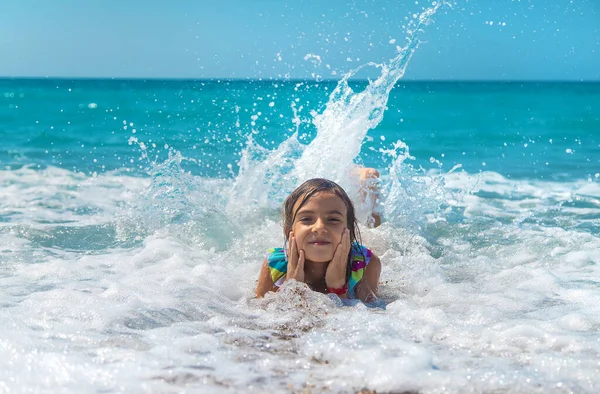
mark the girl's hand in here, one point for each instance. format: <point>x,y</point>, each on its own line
<point>335,276</point>
<point>295,265</point>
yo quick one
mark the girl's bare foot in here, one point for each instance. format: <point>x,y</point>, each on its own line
<point>369,192</point>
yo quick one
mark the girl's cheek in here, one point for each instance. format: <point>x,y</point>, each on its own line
<point>337,239</point>
<point>300,240</point>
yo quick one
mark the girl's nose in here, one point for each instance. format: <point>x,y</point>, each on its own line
<point>319,225</point>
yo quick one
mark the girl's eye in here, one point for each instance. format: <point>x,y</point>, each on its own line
<point>305,219</point>
<point>335,220</point>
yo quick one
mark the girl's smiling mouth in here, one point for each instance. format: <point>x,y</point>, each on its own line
<point>319,243</point>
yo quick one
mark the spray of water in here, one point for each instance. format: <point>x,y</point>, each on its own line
<point>349,115</point>
<point>266,177</point>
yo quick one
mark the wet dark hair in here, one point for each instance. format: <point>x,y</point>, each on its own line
<point>308,189</point>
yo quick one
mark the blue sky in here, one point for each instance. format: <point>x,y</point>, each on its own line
<point>484,39</point>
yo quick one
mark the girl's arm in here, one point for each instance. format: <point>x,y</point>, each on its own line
<point>366,289</point>
<point>265,283</point>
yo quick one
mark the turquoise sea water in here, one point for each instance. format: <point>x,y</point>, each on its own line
<point>533,130</point>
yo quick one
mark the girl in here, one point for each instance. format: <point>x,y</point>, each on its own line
<point>323,251</point>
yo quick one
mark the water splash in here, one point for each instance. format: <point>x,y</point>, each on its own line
<point>175,203</point>
<point>266,177</point>
<point>349,115</point>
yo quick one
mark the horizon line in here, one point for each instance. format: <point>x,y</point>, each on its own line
<point>260,79</point>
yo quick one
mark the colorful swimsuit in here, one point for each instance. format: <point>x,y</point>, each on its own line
<point>359,261</point>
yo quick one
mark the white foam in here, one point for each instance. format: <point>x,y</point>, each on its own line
<point>482,304</point>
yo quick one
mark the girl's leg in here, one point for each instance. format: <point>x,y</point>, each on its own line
<point>369,192</point>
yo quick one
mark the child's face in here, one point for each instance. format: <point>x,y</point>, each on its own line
<point>318,226</point>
